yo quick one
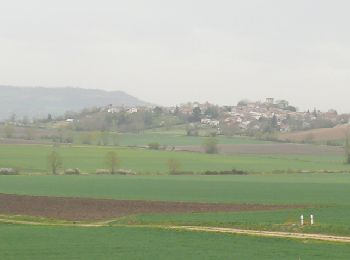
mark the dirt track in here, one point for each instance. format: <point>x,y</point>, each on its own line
<point>322,237</point>
<point>248,232</point>
<point>302,149</point>
<point>102,209</point>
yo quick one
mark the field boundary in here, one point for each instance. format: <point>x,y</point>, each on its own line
<point>303,236</point>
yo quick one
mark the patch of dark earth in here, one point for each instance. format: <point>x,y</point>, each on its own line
<point>279,149</point>
<point>83,209</point>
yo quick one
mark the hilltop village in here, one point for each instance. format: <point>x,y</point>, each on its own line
<point>245,118</point>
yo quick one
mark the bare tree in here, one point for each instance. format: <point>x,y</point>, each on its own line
<point>112,161</point>
<point>29,133</point>
<point>347,146</point>
<point>54,162</point>
<point>115,139</point>
<point>174,166</point>
<point>104,138</point>
<point>9,130</point>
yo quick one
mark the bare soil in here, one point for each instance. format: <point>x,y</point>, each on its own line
<point>104,209</point>
<point>322,134</point>
<point>301,149</point>
<point>23,141</point>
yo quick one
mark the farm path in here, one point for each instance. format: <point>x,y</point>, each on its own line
<point>328,238</point>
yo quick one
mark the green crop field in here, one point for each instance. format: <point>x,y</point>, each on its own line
<point>35,242</point>
<point>332,220</point>
<point>315,189</point>
<point>33,158</point>
<point>322,195</point>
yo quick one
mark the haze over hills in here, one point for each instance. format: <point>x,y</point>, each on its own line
<point>39,101</point>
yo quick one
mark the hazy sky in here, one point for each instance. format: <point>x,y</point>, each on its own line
<point>170,52</point>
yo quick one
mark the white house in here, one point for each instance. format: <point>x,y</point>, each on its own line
<point>132,110</point>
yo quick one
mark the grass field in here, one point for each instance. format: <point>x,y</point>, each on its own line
<point>33,242</point>
<point>33,158</point>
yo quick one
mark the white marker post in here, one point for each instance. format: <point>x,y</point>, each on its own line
<point>312,219</point>
<point>302,220</point>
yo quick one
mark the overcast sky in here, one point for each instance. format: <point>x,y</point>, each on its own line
<point>169,52</point>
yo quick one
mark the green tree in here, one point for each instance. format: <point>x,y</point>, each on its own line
<point>274,122</point>
<point>212,111</point>
<point>192,130</point>
<point>112,161</point>
<point>210,145</point>
<point>25,120</point>
<point>157,111</point>
<point>176,111</point>
<point>54,162</point>
<point>242,103</point>
<point>13,118</point>
<point>87,137</point>
<point>291,108</point>
<point>49,117</point>
<point>196,114</point>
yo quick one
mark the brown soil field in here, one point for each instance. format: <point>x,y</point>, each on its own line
<point>22,132</point>
<point>321,134</point>
<point>302,149</point>
<point>76,209</point>
<point>22,141</point>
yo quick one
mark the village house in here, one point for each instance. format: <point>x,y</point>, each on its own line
<point>132,110</point>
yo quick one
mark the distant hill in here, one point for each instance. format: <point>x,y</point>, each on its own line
<point>40,101</point>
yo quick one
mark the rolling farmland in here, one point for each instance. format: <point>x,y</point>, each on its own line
<point>271,197</point>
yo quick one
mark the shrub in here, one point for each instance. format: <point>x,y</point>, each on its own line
<point>183,173</point>
<point>229,172</point>
<point>9,130</point>
<point>332,143</point>
<point>154,146</point>
<point>192,130</point>
<point>8,171</point>
<point>125,172</point>
<point>210,145</point>
<point>74,171</point>
<point>103,171</point>
<point>119,171</point>
<point>87,138</point>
